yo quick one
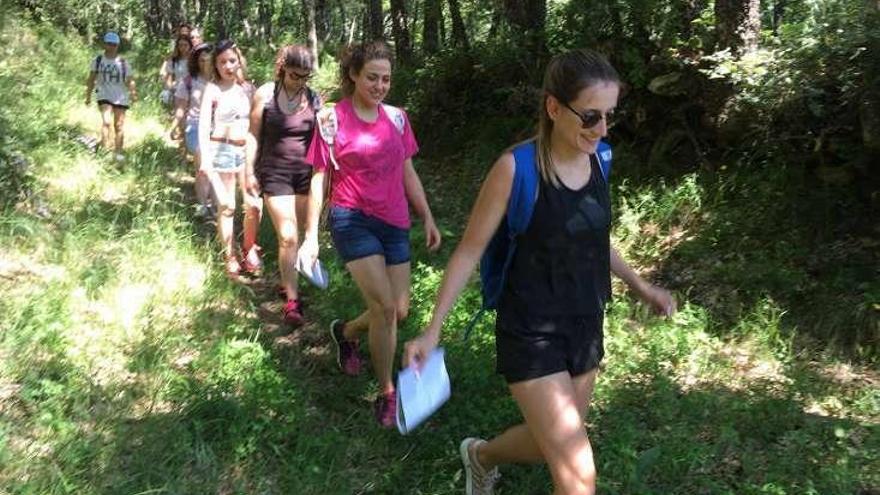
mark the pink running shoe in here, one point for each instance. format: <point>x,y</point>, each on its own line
<point>293,313</point>
<point>347,356</point>
<point>385,409</point>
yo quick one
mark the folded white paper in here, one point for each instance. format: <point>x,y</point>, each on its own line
<point>421,392</point>
<point>313,272</point>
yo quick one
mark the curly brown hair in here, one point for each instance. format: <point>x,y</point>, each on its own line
<point>354,57</point>
<point>298,56</point>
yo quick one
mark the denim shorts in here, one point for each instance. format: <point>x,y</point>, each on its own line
<point>356,235</point>
<point>191,137</point>
<point>228,157</point>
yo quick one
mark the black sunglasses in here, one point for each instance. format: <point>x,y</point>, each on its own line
<point>590,118</point>
<point>298,77</point>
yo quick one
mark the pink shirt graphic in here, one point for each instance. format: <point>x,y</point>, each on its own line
<point>370,158</point>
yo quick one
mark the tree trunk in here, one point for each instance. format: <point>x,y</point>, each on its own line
<point>529,18</point>
<point>869,111</point>
<point>778,12</point>
<point>375,28</point>
<point>459,34</point>
<point>400,31</point>
<point>264,12</point>
<point>322,21</point>
<point>312,28</point>
<point>738,24</point>
<point>431,26</point>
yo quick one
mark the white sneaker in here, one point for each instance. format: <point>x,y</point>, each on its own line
<point>120,157</point>
<point>478,481</point>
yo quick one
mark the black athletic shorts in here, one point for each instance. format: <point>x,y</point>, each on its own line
<point>532,347</point>
<point>114,105</point>
<point>286,181</point>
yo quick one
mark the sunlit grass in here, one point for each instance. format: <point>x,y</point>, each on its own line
<point>130,364</point>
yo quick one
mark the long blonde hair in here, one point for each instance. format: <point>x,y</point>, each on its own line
<point>566,76</point>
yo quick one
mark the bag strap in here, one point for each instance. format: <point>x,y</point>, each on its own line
<point>328,126</point>
<point>520,206</point>
<point>603,153</point>
<point>397,117</point>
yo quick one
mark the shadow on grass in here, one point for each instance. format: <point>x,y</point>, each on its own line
<point>780,235</point>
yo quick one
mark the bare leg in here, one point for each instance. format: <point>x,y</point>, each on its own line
<point>399,275</point>
<point>106,123</point>
<point>555,407</point>
<point>283,213</point>
<point>225,217</point>
<point>253,213</point>
<point>302,211</point>
<point>119,128</point>
<point>372,279</point>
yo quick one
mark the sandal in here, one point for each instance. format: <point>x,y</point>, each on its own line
<point>252,261</point>
<point>233,268</point>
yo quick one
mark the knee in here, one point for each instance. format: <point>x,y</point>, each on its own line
<point>386,311</point>
<point>287,240</point>
<point>117,126</point>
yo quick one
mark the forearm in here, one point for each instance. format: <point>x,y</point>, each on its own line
<point>90,85</point>
<point>316,203</point>
<point>621,269</point>
<point>179,113</point>
<point>415,193</point>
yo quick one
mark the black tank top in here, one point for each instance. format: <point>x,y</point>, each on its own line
<point>284,139</point>
<point>562,262</point>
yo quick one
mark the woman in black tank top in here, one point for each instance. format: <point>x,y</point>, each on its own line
<point>549,338</point>
<point>283,120</point>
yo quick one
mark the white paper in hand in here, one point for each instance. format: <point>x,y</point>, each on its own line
<point>420,393</point>
<point>314,272</point>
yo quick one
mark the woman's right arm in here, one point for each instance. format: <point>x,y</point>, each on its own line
<point>180,107</point>
<point>487,214</point>
<point>205,118</point>
<point>256,123</point>
<point>309,249</point>
<point>165,73</point>
<point>90,86</point>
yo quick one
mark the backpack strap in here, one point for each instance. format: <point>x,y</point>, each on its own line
<point>499,253</point>
<point>98,62</point>
<point>124,64</point>
<point>603,153</point>
<point>396,115</point>
<point>328,126</point>
<point>188,83</point>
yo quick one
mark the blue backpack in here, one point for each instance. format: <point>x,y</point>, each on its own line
<point>499,253</point>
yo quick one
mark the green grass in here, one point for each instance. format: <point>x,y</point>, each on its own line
<point>130,365</point>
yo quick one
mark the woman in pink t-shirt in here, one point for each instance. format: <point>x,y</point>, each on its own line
<point>371,177</point>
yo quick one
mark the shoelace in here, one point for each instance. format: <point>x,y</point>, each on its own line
<point>485,481</point>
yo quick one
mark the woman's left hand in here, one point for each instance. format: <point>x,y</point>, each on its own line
<point>432,235</point>
<point>660,299</point>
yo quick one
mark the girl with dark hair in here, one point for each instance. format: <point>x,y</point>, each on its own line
<point>283,121</point>
<point>188,104</point>
<point>548,328</point>
<point>224,142</point>
<point>371,177</point>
